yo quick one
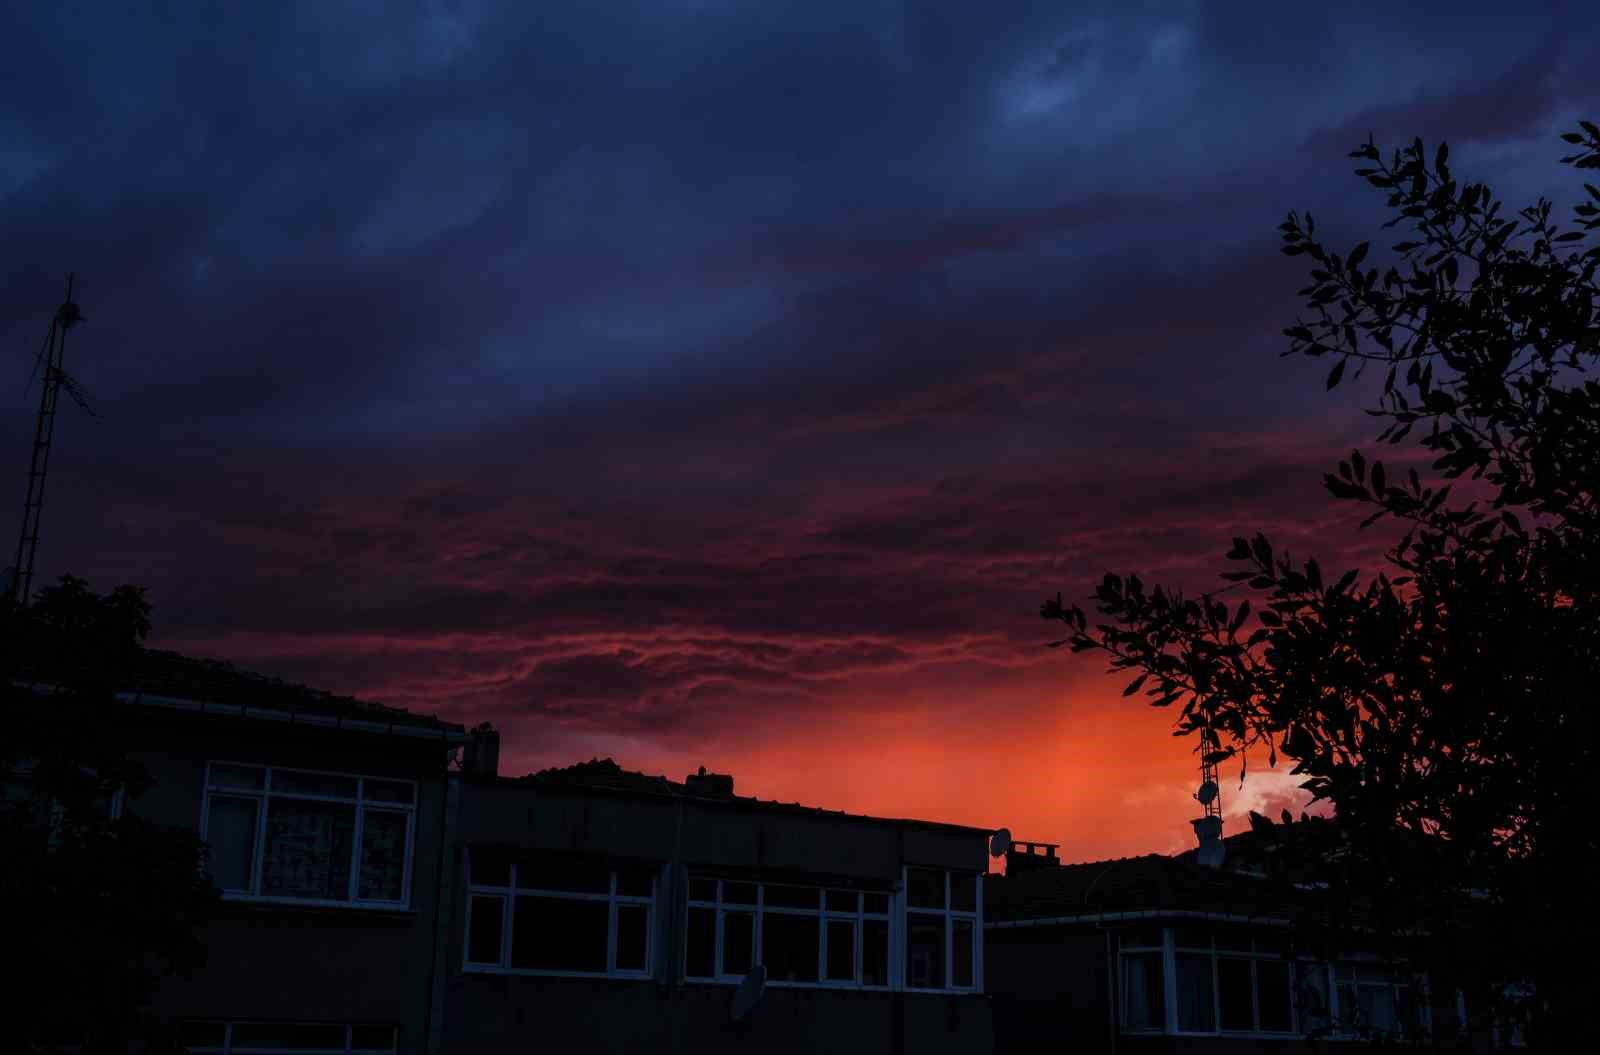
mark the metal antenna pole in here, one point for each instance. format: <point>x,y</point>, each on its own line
<point>66,317</point>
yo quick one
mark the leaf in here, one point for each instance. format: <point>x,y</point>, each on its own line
<point>1335,374</point>
<point>1379,481</point>
<point>1135,685</point>
<point>1358,254</point>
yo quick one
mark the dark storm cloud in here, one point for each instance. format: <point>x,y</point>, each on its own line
<point>609,364</point>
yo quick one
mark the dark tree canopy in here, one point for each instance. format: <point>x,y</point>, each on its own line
<point>1444,702</point>
<point>103,903</point>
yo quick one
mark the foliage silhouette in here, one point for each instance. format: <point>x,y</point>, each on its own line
<point>103,904</point>
<point>1445,705</point>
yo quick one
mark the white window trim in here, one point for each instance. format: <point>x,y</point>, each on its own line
<point>508,896</point>
<point>1216,991</point>
<point>975,916</point>
<point>1416,985</point>
<point>360,801</point>
<point>228,1047</point>
<point>822,913</point>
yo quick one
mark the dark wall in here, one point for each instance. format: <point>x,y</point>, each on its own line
<point>301,963</point>
<point>1050,988</point>
<point>494,1014</point>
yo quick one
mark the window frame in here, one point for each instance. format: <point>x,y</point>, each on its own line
<point>1169,950</point>
<point>1352,1029</point>
<point>950,914</point>
<point>760,909</point>
<point>227,1046</point>
<point>263,796</point>
<point>508,895</point>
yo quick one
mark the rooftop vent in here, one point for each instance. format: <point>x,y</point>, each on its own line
<point>482,755</point>
<point>1024,857</point>
<point>709,785</point>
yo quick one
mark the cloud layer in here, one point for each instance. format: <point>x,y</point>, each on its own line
<point>704,383</point>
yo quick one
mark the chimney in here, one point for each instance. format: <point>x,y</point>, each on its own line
<point>482,756</point>
<point>709,785</point>
<point>1208,830</point>
<point>1025,857</point>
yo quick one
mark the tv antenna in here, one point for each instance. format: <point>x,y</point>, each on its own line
<point>1208,827</point>
<point>55,379</point>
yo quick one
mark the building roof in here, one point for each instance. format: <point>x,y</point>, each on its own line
<point>1149,883</point>
<point>604,776</point>
<point>169,674</point>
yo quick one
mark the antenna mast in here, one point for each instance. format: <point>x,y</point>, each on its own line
<point>55,379</point>
<point>1208,826</point>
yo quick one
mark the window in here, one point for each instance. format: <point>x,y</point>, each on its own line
<point>282,1038</point>
<point>805,935</point>
<point>1144,988</point>
<point>297,835</point>
<point>1223,980</point>
<point>942,950</point>
<point>544,913</point>
<point>1372,999</point>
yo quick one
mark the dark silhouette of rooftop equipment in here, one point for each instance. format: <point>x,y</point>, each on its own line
<point>55,379</point>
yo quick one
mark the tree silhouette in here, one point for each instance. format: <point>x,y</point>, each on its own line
<point>97,905</point>
<point>1445,704</point>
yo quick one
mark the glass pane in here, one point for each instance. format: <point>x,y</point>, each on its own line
<point>963,892</point>
<point>633,937</point>
<point>702,890</point>
<point>793,896</point>
<point>739,893</point>
<point>579,874</point>
<point>924,951</point>
<point>289,781</point>
<point>308,849</point>
<point>489,867</point>
<point>875,952</point>
<point>1196,1012</point>
<point>1192,937</point>
<point>383,856</point>
<point>925,888</point>
<point>388,790</point>
<point>1144,991</point>
<point>287,1036</point>
<point>961,953</point>
<point>1140,937</point>
<point>789,947</point>
<point>231,835</point>
<point>700,948</point>
<point>738,942</point>
<point>488,920</point>
<point>875,903</point>
<point>559,934</point>
<point>1311,995</point>
<point>636,880</point>
<point>252,778</point>
<point>1377,1007</point>
<point>841,950</point>
<point>1272,995</point>
<point>1234,994</point>
<point>842,901</point>
<point>1234,939</point>
<point>372,1038</point>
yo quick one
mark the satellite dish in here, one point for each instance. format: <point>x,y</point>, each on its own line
<point>1207,793</point>
<point>1000,842</point>
<point>749,992</point>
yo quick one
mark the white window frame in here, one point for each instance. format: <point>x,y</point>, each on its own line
<point>360,801</point>
<point>760,909</point>
<point>1217,954</point>
<point>973,916</point>
<point>1352,1029</point>
<point>508,899</point>
<point>1126,952</point>
<point>229,1048</point>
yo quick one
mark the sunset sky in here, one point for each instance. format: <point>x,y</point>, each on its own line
<point>720,383</point>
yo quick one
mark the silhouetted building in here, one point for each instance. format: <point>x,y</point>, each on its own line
<point>384,890</point>
<point>326,821</point>
<point>1162,954</point>
<point>608,910</point>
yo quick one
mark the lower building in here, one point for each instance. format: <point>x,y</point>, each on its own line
<point>608,911</point>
